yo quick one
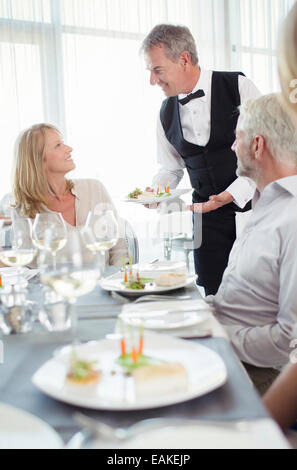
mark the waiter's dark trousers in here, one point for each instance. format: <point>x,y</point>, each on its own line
<point>211,259</point>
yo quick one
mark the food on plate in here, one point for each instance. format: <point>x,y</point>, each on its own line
<point>134,194</point>
<point>151,375</point>
<point>147,195</point>
<point>160,378</point>
<point>170,279</point>
<point>82,372</point>
<point>138,194</point>
<point>135,282</point>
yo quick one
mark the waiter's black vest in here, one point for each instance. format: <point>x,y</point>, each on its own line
<point>211,168</point>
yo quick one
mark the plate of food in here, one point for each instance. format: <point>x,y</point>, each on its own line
<point>150,282</point>
<point>139,196</point>
<point>130,373</point>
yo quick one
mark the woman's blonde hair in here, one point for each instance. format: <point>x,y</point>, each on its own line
<point>287,59</point>
<point>30,186</point>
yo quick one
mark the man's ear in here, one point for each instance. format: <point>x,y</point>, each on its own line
<point>258,146</point>
<point>185,58</point>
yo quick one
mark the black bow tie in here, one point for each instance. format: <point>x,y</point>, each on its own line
<point>192,96</point>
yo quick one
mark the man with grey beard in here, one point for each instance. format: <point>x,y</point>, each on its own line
<point>257,302</point>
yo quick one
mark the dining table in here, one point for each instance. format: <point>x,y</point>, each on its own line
<point>235,401</point>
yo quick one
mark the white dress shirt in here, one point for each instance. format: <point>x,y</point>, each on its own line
<point>90,194</point>
<point>195,121</point>
<point>257,301</point>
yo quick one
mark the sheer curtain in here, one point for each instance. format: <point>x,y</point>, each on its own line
<point>76,64</point>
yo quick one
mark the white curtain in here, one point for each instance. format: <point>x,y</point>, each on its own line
<point>76,64</point>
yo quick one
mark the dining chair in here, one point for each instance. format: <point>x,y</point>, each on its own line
<point>132,241</point>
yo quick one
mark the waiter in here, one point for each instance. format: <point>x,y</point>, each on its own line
<point>195,130</point>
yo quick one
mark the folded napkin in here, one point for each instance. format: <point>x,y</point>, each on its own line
<point>195,316</point>
<point>10,277</point>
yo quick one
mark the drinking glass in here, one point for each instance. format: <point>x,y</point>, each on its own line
<point>22,251</point>
<point>49,233</point>
<point>102,227</point>
<point>75,273</point>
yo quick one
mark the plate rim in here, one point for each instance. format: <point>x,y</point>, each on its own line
<point>189,279</point>
<point>169,327</point>
<point>176,398</point>
<point>180,192</point>
<point>41,423</point>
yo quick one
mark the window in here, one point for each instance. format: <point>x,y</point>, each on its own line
<point>254,27</point>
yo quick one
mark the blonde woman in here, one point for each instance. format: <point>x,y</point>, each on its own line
<point>281,398</point>
<point>42,160</point>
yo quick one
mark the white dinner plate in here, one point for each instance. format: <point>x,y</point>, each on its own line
<point>174,193</point>
<point>115,283</point>
<point>166,315</point>
<point>206,371</point>
<point>22,430</point>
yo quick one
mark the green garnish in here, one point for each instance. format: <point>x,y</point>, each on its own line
<point>135,193</point>
<point>163,194</point>
<point>80,369</point>
<point>137,283</point>
<point>127,362</point>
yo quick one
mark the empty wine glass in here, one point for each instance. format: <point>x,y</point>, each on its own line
<point>75,273</point>
<point>49,233</point>
<point>22,251</point>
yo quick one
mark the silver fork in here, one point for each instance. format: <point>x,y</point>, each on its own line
<point>109,433</point>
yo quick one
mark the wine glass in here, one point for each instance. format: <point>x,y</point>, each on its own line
<point>22,251</point>
<point>49,233</point>
<point>103,228</point>
<point>75,273</point>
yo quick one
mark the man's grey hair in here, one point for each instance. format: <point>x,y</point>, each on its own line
<point>176,39</point>
<point>266,116</point>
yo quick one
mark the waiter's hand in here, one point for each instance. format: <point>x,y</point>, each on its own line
<point>214,202</point>
<point>151,206</point>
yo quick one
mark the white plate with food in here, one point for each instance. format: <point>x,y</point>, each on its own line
<point>166,315</point>
<point>22,430</point>
<point>146,197</point>
<point>169,371</point>
<point>149,283</point>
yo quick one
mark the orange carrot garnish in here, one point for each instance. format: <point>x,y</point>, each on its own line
<point>140,348</point>
<point>1,285</point>
<point>123,346</point>
<point>125,276</point>
<point>134,355</point>
<point>158,189</point>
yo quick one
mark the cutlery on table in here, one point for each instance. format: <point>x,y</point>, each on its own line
<point>144,298</point>
<point>115,434</point>
<point>147,297</point>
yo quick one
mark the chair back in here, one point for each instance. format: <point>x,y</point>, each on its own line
<point>132,241</point>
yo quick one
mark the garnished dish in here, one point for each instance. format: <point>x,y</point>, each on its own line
<point>134,281</point>
<point>151,375</point>
<point>162,370</point>
<point>82,372</point>
<point>139,194</point>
